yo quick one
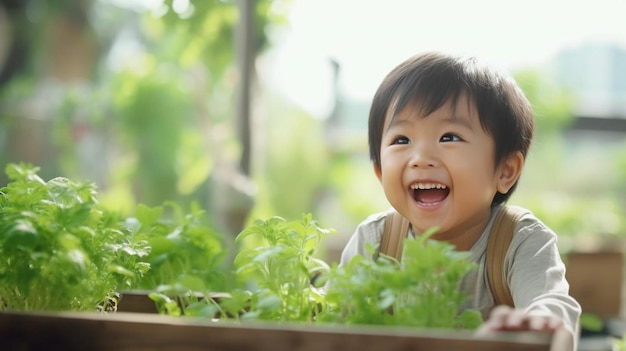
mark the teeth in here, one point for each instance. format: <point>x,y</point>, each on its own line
<point>427,186</point>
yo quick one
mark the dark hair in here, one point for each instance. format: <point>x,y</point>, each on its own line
<point>431,79</point>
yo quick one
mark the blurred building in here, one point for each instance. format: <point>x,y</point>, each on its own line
<point>596,74</point>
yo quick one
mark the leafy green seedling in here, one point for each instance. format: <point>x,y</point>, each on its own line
<point>420,291</point>
<point>58,249</point>
<point>184,249</point>
<point>282,280</point>
<point>278,272</point>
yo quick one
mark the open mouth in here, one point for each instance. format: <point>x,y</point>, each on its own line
<point>429,193</point>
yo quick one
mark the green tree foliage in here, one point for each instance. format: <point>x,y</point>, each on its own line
<point>553,104</point>
<point>154,113</point>
<point>294,164</point>
<point>566,181</point>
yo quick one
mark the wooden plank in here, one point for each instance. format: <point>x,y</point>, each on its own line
<point>136,301</point>
<point>138,331</point>
<point>139,301</point>
<point>595,280</point>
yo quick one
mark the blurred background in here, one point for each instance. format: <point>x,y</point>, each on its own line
<point>256,108</point>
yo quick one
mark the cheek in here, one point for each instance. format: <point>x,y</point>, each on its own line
<point>387,160</point>
<point>393,163</point>
<point>472,170</point>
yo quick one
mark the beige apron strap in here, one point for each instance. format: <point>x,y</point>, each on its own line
<point>396,230</point>
<point>499,240</point>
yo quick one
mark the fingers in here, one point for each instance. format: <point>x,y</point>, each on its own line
<point>509,319</point>
<point>506,318</point>
<point>544,323</point>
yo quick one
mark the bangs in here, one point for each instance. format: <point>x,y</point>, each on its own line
<point>425,95</point>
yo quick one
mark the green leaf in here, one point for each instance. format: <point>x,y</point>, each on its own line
<point>469,319</point>
<point>23,172</point>
<point>121,270</point>
<point>591,322</point>
<point>238,302</point>
<point>148,216</point>
<point>78,257</point>
<point>387,299</point>
<point>22,235</point>
<point>270,302</point>
<point>165,304</point>
<point>193,283</point>
<point>161,246</point>
<point>201,309</point>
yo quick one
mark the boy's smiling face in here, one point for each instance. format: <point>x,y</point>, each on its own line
<point>439,170</point>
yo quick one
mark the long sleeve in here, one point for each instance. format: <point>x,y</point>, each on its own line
<point>368,232</point>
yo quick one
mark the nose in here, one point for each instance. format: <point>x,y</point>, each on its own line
<point>424,156</point>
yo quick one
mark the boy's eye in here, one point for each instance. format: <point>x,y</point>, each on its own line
<point>401,140</point>
<point>450,137</point>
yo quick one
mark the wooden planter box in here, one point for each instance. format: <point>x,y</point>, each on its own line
<point>596,280</point>
<point>141,331</point>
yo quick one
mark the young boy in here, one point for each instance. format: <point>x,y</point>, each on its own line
<point>448,138</point>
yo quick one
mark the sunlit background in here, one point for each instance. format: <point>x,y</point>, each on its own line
<point>263,115</point>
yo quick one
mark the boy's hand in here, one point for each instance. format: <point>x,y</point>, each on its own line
<point>505,318</point>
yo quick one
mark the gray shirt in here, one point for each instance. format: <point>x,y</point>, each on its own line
<point>533,268</point>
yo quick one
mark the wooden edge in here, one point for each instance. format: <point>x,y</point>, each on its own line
<point>139,301</point>
<point>136,301</point>
<point>133,331</point>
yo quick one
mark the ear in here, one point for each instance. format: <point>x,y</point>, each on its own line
<point>509,171</point>
<point>379,173</point>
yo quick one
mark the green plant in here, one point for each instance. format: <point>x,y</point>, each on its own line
<point>420,291</point>
<point>280,269</point>
<point>182,246</point>
<point>58,249</point>
<point>273,277</point>
<point>619,344</point>
<point>280,279</point>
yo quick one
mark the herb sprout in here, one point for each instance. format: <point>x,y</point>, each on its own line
<point>281,268</point>
<point>58,249</point>
<point>420,291</point>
